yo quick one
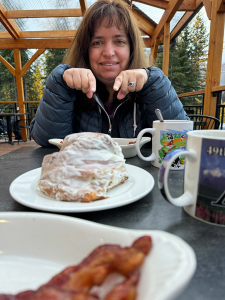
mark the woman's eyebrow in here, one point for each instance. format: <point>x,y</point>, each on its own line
<point>115,36</point>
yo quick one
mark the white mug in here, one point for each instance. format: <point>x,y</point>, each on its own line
<point>204,178</point>
<point>167,136</point>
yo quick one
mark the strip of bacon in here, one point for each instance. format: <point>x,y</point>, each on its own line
<point>75,282</point>
<point>49,294</point>
<point>102,261</point>
<point>127,290</point>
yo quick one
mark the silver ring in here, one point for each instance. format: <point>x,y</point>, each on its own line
<point>133,84</point>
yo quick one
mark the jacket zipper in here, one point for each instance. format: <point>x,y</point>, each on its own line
<point>100,104</point>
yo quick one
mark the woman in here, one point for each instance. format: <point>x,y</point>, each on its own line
<point>104,84</point>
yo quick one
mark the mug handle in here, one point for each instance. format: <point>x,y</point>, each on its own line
<point>186,198</point>
<point>137,145</point>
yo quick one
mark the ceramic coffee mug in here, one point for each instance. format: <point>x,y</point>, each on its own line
<point>167,136</point>
<point>204,178</point>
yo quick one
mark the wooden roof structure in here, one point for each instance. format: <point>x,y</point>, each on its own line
<point>155,34</point>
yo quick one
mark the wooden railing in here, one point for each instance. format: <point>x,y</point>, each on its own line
<point>31,106</point>
<point>198,109</point>
<point>201,92</point>
<point>12,106</point>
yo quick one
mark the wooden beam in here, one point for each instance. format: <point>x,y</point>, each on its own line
<point>144,24</point>
<point>187,5</point>
<point>9,25</point>
<point>143,33</point>
<point>36,43</point>
<point>154,51</point>
<point>198,2</point>
<point>218,88</point>
<point>5,35</point>
<point>48,34</point>
<point>43,13</point>
<point>147,42</point>
<point>155,3</point>
<point>221,6</point>
<point>218,51</point>
<point>166,49</point>
<point>30,61</point>
<point>200,92</point>
<point>20,91</point>
<point>208,8</point>
<point>214,59</point>
<point>17,102</point>
<point>180,24</point>
<point>84,6</point>
<point>170,11</point>
<point>8,102</point>
<point>8,66</point>
<point>41,34</point>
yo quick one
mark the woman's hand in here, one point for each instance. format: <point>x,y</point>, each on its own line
<point>136,78</point>
<point>81,79</point>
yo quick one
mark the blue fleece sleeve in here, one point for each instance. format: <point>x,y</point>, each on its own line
<point>159,93</point>
<point>55,114</point>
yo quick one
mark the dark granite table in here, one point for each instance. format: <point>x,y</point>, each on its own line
<point>151,212</point>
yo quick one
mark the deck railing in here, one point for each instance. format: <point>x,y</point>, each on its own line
<point>30,108</point>
<point>218,92</point>
<point>193,109</point>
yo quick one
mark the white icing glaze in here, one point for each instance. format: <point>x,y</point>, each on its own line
<point>87,163</point>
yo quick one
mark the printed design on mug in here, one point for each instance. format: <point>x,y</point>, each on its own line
<point>170,140</point>
<point>210,205</point>
<point>162,170</point>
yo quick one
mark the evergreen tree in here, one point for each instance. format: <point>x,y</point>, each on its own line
<point>181,71</point>
<point>34,92</point>
<point>8,81</point>
<point>53,57</point>
<point>200,39</point>
<point>32,81</point>
<point>187,60</point>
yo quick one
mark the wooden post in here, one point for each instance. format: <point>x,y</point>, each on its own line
<point>83,6</point>
<point>218,52</point>
<point>154,51</point>
<point>20,91</point>
<point>214,59</point>
<point>166,48</point>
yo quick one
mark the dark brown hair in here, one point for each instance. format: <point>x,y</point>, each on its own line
<point>117,13</point>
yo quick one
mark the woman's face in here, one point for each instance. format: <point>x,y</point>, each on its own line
<point>109,53</point>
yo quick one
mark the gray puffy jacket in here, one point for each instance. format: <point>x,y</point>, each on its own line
<point>57,115</point>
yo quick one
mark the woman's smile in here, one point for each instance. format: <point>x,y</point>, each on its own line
<point>109,65</point>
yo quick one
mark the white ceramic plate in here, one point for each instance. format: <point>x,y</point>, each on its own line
<point>23,190</point>
<point>36,246</point>
<point>56,142</point>
<point>128,150</point>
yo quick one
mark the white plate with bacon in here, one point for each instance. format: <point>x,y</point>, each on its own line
<point>37,246</point>
<point>23,189</point>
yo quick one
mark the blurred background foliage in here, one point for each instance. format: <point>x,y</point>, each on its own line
<point>188,60</point>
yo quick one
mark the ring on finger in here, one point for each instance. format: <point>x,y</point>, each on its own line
<point>133,84</point>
